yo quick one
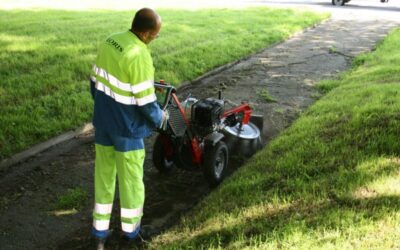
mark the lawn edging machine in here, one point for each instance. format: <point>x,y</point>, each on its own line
<point>201,134</point>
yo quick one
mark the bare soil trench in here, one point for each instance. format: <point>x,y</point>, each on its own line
<point>287,71</point>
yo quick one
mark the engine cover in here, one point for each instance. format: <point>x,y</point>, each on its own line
<point>207,112</point>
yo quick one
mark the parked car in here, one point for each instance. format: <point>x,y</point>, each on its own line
<point>342,2</point>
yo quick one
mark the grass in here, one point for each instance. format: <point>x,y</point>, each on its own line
<point>72,199</point>
<point>330,181</point>
<point>46,57</point>
<point>265,95</point>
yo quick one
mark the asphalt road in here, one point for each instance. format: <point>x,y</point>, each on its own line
<point>354,10</point>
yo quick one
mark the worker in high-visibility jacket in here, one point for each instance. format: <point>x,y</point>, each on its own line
<point>125,111</point>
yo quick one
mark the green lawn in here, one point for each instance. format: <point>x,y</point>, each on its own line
<point>330,181</point>
<point>46,57</point>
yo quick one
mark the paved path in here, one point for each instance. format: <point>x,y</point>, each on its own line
<point>287,71</point>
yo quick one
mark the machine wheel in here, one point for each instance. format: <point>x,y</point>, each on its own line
<point>162,162</point>
<point>338,2</point>
<point>215,163</point>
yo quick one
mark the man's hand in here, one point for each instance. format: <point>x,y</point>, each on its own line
<point>164,121</point>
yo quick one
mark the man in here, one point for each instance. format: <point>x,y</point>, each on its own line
<point>125,111</point>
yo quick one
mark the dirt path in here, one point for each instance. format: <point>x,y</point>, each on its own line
<point>287,72</point>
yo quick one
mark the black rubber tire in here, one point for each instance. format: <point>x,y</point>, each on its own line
<point>215,163</point>
<point>338,2</point>
<point>161,162</point>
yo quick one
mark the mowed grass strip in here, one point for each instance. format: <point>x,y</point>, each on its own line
<point>46,57</point>
<point>330,181</point>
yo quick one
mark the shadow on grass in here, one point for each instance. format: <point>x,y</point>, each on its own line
<point>299,216</point>
<point>343,200</point>
<point>326,197</point>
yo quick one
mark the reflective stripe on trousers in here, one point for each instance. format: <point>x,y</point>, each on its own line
<point>128,166</point>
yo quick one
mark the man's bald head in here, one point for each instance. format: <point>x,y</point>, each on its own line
<point>146,25</point>
<point>145,20</point>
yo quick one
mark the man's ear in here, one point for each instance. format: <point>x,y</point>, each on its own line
<point>142,36</point>
<point>147,35</point>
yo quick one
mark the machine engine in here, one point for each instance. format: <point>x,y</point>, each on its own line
<point>206,115</point>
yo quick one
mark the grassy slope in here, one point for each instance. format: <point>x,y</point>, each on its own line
<point>330,181</point>
<point>46,56</point>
